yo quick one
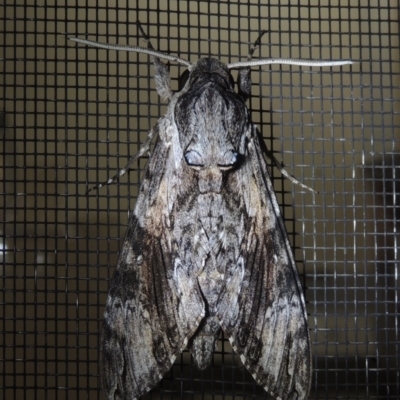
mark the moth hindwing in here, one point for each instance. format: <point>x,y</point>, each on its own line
<point>206,247</point>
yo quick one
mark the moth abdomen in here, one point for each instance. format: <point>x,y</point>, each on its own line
<point>204,342</point>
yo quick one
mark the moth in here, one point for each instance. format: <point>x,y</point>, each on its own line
<point>206,247</point>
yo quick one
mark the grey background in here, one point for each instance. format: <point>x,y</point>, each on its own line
<point>71,116</point>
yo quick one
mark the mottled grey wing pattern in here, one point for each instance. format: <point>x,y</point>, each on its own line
<point>147,320</point>
<point>206,245</point>
<point>263,313</point>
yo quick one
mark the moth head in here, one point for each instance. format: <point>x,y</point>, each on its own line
<point>211,119</point>
<point>206,70</point>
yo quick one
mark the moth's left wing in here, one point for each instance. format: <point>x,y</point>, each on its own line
<point>153,306</point>
<point>262,309</point>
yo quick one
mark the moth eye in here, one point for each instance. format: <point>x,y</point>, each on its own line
<point>230,160</point>
<point>194,159</point>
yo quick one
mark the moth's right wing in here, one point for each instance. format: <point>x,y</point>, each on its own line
<point>262,309</point>
<point>152,308</point>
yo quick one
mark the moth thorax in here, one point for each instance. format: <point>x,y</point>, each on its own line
<point>210,180</point>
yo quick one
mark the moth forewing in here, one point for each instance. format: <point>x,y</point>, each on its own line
<point>206,246</point>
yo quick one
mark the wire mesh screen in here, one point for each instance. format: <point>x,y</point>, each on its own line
<point>72,115</point>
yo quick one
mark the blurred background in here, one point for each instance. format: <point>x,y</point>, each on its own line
<point>71,116</point>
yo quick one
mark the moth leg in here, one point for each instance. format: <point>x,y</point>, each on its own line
<point>280,166</point>
<point>244,80</point>
<point>244,84</point>
<point>163,86</point>
<point>143,150</point>
<point>161,76</point>
<point>255,46</point>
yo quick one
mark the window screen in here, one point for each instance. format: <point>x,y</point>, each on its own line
<point>71,116</point>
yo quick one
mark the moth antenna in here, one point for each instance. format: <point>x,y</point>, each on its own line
<point>290,61</point>
<point>136,49</point>
<point>285,61</point>
<point>144,149</point>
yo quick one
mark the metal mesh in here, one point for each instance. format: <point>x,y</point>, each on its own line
<point>72,115</point>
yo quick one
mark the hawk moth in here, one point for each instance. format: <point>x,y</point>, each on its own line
<point>206,247</point>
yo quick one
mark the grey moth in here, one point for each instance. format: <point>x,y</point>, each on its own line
<point>206,247</point>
